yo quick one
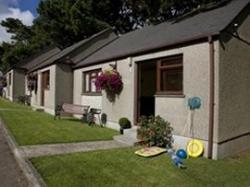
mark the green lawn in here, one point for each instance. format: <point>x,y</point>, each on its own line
<point>122,168</point>
<point>5,104</point>
<point>30,127</point>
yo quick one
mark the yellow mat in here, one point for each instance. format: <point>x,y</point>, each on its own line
<point>150,151</point>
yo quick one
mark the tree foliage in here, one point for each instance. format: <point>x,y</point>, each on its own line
<point>25,41</point>
<point>64,22</point>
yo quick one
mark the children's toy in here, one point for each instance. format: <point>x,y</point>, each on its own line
<point>181,153</point>
<point>194,103</point>
<point>176,160</point>
<point>195,148</point>
<point>150,151</point>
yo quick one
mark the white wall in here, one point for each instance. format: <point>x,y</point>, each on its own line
<point>174,109</point>
<point>234,98</point>
<point>195,83</point>
<point>122,107</point>
<point>18,83</point>
<point>9,88</point>
<point>49,95</point>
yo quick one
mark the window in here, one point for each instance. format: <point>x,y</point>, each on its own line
<point>170,75</point>
<point>46,80</point>
<point>89,79</point>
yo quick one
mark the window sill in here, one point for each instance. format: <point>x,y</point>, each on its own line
<point>170,95</point>
<point>92,94</point>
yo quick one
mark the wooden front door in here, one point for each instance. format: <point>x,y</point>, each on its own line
<point>44,85</point>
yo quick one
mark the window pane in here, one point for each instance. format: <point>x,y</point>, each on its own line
<point>87,83</point>
<point>93,74</point>
<point>172,60</point>
<point>171,80</point>
<point>93,87</point>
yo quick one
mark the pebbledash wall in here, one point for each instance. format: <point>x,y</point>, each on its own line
<point>16,88</point>
<point>174,109</point>
<point>9,88</point>
<point>234,88</point>
<point>123,106</point>
<point>60,90</point>
<point>196,61</point>
<point>49,94</point>
<point>232,92</point>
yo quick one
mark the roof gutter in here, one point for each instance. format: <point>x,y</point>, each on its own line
<point>211,97</point>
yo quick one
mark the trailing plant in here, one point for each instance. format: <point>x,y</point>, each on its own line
<point>155,131</point>
<point>124,123</point>
<point>111,82</point>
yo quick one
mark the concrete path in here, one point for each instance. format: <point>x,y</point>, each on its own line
<point>56,149</point>
<point>10,173</point>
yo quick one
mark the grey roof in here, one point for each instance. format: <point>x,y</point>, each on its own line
<point>80,50</point>
<point>169,33</point>
<point>38,58</point>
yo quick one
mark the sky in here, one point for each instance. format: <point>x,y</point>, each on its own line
<point>25,10</point>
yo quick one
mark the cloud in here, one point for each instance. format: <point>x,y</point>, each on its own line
<point>25,16</point>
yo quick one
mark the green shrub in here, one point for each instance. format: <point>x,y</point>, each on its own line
<point>155,131</point>
<point>104,118</point>
<point>124,123</point>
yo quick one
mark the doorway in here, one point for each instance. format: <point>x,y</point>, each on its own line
<point>146,88</point>
<point>45,84</point>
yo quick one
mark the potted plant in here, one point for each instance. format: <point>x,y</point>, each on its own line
<point>32,83</point>
<point>104,118</point>
<point>111,82</point>
<point>124,124</point>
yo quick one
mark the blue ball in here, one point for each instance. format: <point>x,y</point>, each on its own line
<point>181,153</point>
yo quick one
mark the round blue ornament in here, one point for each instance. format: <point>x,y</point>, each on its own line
<point>181,153</point>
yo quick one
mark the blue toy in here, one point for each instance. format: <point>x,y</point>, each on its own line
<point>176,160</point>
<point>194,103</point>
<point>181,153</point>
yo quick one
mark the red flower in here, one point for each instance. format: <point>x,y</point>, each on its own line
<point>111,81</point>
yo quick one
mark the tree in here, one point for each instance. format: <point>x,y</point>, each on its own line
<point>65,22</point>
<point>19,31</point>
<point>25,41</point>
<point>68,21</point>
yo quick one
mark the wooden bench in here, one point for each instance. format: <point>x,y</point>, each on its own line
<point>71,109</point>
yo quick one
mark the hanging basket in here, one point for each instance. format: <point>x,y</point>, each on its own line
<point>111,82</point>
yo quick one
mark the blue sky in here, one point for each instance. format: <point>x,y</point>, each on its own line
<point>25,10</point>
<point>30,5</point>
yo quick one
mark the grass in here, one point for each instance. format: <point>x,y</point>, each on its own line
<point>30,128</point>
<point>121,168</point>
<point>5,104</point>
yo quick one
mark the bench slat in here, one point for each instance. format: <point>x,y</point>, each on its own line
<point>75,109</point>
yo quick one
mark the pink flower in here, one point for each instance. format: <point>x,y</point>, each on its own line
<point>110,81</point>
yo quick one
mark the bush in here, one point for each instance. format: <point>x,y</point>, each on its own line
<point>124,123</point>
<point>155,131</point>
<point>104,118</point>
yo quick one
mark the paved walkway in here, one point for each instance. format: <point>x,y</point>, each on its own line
<point>10,173</point>
<point>56,149</point>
